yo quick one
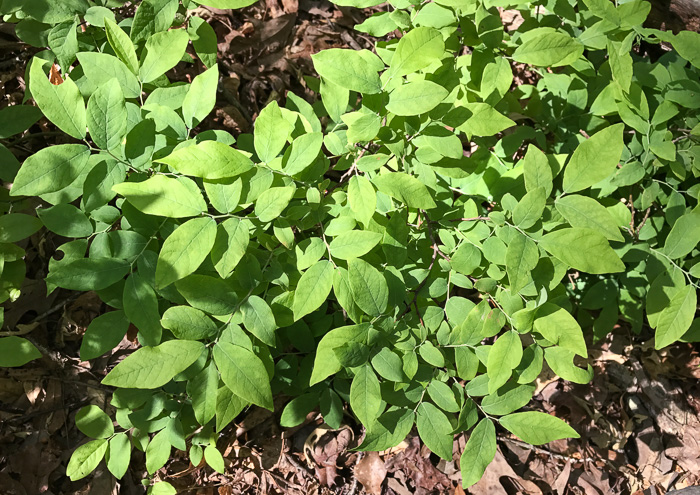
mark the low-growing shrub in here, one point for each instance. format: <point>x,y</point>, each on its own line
<point>457,209</point>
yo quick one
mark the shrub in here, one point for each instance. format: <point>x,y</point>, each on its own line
<point>351,250</point>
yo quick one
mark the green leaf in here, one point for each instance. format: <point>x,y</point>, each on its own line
<point>184,250</point>
<point>88,273</point>
<point>549,49</point>
<point>209,294</point>
<point>676,318</point>
<point>62,104</point>
<point>419,48</point>
<point>65,220</point>
<point>504,356</point>
<point>231,243</point>
<point>583,249</point>
<point>362,198</point>
<point>561,361</point>
<point>203,389</point>
<point>369,288</point>
<point>558,326</point>
<point>17,226</point>
<point>17,118</point>
<point>210,160</point>
<point>362,126</point>
<point>214,459</point>
<point>122,45</point>
<point>270,132</point>
<point>355,70</point>
<point>389,430</point>
<point>365,395</point>
<point>295,411</point>
<point>118,455</point>
<point>302,153</point>
<point>163,487</point>
<point>85,459</point>
<point>101,68</point>
<point>415,98</point>
<point>163,51</point>
<point>203,39</point>
<point>478,453</point>
<point>467,258</point>
<point>106,116</point>
<point>529,209</point>
<point>226,4</point>
<point>272,202</point>
<point>201,97</point>
<point>141,308</point>
<point>484,120</point>
<point>164,196</point>
<point>244,373</point>
<point>405,188</point>
<point>537,428</point>
<point>594,159</point>
<point>93,422</point>
<point>585,212</point>
<point>152,16</point>
<point>684,235</point>
<point>103,334</point>
<point>16,351</point>
<point>153,367</point>
<point>63,41</point>
<point>522,257</point>
<point>228,406</point>
<point>259,320</point>
<point>51,169</point>
<point>389,365</point>
<point>157,452</point>
<point>326,363</point>
<point>354,243</point>
<point>313,288</point>
<point>224,194</point>
<point>507,399</point>
<point>431,354</point>
<point>435,430</point>
<point>188,323</point>
<point>536,170</point>
<point>686,44</point>
<point>443,396</point>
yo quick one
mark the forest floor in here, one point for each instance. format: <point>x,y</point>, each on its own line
<point>639,419</point>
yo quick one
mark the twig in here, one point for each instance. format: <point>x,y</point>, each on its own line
<point>353,487</point>
<point>644,220</point>
<point>539,450</point>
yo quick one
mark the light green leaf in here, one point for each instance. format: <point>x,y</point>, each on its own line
<point>536,170</point>
<point>184,250</point>
<point>326,363</point>
<point>467,258</point>
<point>583,249</point>
<point>201,97</point>
<point>594,159</point>
<point>224,194</point>
<point>157,452</point>
<point>164,196</point>
<point>504,356</point>
<point>231,243</point>
<point>537,428</point>
<point>484,120</point>
<point>163,487</point>
<point>272,202</point>
<point>228,406</point>
<point>259,320</point>
<point>389,365</point>
<point>204,389</point>
<point>86,458</point>
<point>507,399</point>
<point>270,132</point>
<point>478,453</point>
<point>101,68</point>
<point>16,351</point>
<point>313,288</point>
<point>405,188</point>
<point>106,116</point>
<point>365,395</point>
<point>163,51</point>
<point>210,160</point>
<point>684,235</point>
<point>419,48</point>
<point>435,430</point>
<point>188,323</point>
<point>118,455</point>
<point>63,41</point>
<point>153,367</point>
<point>354,243</point>
<point>351,69</point>
<point>122,45</point>
<point>549,49</point>
<point>415,98</point>
<point>529,209</point>
<point>214,459</point>
<point>362,126</point>
<point>675,319</point>
<point>88,273</point>
<point>302,153</point>
<point>561,361</point>
<point>62,104</point>
<point>522,257</point>
<point>558,326</point>
<point>362,198</point>
<point>93,422</point>
<point>244,373</point>
<point>582,211</point>
<point>141,308</point>
<point>103,334</point>
<point>389,430</point>
<point>152,16</point>
<point>369,288</point>
<point>686,44</point>
<point>209,294</point>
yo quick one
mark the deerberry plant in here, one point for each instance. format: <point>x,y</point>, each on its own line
<point>417,243</point>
